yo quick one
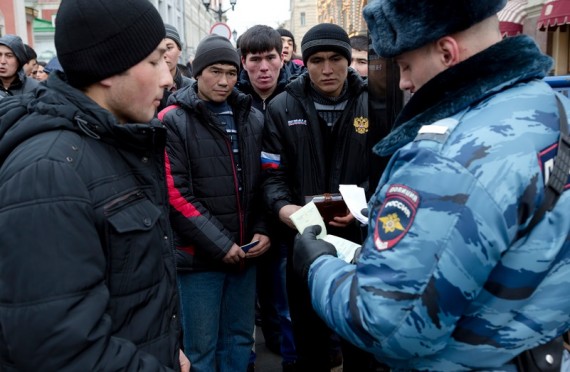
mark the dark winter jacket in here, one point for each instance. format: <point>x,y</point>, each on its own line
<point>21,84</point>
<point>294,163</point>
<point>244,85</point>
<point>208,215</point>
<point>87,271</point>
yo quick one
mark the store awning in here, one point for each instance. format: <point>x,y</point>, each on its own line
<point>511,18</point>
<point>554,13</point>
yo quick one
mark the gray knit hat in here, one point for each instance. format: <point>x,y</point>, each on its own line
<point>214,49</point>
<point>326,37</point>
<point>172,33</point>
<point>16,44</point>
<point>96,39</point>
<point>398,26</point>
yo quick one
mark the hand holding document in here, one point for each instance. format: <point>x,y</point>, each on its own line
<point>308,216</point>
<point>355,201</point>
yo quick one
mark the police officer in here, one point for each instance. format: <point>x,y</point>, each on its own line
<point>456,273</point>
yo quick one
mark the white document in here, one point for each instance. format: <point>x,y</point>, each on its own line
<point>355,200</point>
<point>308,216</point>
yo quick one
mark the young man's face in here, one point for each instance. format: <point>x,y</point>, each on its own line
<point>263,69</point>
<point>287,51</point>
<point>172,54</point>
<point>360,61</point>
<point>29,67</point>
<point>8,63</point>
<point>133,96</point>
<point>216,82</point>
<point>328,72</point>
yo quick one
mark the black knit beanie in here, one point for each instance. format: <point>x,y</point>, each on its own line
<point>214,49</point>
<point>96,39</point>
<point>326,37</point>
<point>398,26</point>
<point>287,33</point>
<point>172,33</point>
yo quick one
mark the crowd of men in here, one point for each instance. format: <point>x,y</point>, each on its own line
<point>146,206</point>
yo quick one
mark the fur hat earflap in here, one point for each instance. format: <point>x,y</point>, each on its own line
<point>398,26</point>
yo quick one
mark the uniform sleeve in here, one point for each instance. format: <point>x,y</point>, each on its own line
<point>53,289</point>
<point>190,219</point>
<point>434,237</point>
<point>274,162</point>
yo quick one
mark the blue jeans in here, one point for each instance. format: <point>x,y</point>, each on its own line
<point>288,352</point>
<point>218,311</point>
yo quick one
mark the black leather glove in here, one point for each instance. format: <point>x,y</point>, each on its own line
<point>307,248</point>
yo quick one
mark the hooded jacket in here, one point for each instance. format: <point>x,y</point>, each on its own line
<point>21,83</point>
<point>86,255</point>
<point>447,280</point>
<point>209,214</point>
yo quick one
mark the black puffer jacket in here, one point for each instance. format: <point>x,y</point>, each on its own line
<point>87,271</point>
<point>293,135</point>
<point>207,214</point>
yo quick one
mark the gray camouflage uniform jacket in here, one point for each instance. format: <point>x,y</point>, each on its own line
<point>445,281</point>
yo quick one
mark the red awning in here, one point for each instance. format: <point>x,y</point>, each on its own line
<point>511,18</point>
<point>554,13</point>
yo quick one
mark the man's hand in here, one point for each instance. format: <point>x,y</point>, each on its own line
<point>184,362</point>
<point>234,256</point>
<point>285,214</point>
<point>342,221</point>
<point>307,248</point>
<point>260,248</point>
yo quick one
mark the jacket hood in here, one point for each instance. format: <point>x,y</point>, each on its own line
<point>16,44</point>
<point>55,105</point>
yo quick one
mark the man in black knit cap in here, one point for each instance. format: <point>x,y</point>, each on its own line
<point>212,167</point>
<point>317,136</point>
<point>288,53</point>
<point>85,240</point>
<point>173,51</point>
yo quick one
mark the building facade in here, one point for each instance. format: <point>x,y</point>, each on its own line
<point>304,15</point>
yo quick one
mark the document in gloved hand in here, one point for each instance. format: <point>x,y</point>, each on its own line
<point>308,216</point>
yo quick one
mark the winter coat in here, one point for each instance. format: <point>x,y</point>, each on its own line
<point>87,271</point>
<point>208,212</point>
<point>446,280</point>
<point>293,150</point>
<point>21,84</point>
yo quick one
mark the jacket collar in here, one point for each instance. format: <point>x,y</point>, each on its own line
<point>511,61</point>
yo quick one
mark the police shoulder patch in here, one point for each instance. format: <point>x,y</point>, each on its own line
<point>396,216</point>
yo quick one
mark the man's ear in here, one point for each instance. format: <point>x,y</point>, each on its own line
<point>448,49</point>
<point>108,82</point>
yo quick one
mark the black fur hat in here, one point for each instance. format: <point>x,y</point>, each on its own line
<point>398,26</point>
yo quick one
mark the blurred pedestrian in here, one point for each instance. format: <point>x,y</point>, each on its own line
<point>13,57</point>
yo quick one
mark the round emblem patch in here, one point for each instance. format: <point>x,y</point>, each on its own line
<point>396,216</point>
